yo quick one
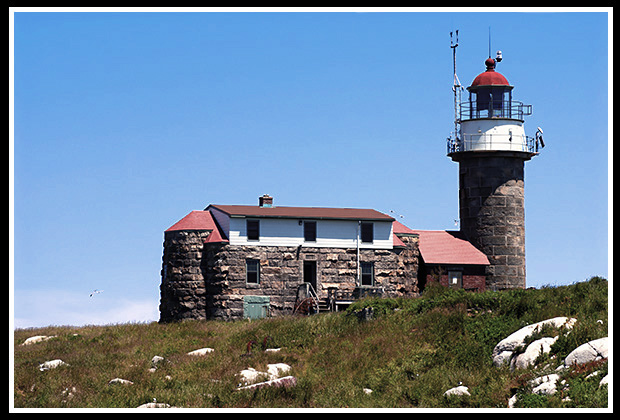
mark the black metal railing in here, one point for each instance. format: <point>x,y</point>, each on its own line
<point>470,110</point>
<point>491,142</point>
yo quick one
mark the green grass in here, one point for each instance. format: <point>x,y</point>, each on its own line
<point>409,355</point>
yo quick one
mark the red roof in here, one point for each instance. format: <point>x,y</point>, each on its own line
<point>448,247</point>
<point>199,220</point>
<point>400,229</point>
<point>490,77</point>
<point>302,212</point>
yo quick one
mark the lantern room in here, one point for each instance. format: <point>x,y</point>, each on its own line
<point>490,119</point>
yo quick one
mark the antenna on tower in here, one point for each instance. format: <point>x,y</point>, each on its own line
<point>489,41</point>
<point>456,87</point>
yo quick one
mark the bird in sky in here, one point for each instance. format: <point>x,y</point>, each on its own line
<point>95,292</point>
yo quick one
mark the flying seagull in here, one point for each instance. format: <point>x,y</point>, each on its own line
<point>95,292</point>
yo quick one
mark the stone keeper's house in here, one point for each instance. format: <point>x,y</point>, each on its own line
<point>239,261</point>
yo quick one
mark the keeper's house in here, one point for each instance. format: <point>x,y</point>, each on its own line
<point>239,261</point>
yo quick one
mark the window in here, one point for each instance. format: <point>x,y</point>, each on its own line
<point>252,271</point>
<point>368,274</point>
<point>253,230</point>
<point>455,278</point>
<point>310,231</point>
<point>367,232</point>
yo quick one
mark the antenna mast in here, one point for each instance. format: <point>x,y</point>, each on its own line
<point>456,88</point>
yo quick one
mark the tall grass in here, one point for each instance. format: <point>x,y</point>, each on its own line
<point>409,354</point>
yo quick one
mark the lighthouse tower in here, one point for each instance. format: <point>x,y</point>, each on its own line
<point>491,148</point>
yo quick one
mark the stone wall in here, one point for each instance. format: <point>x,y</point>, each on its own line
<point>209,281</point>
<point>491,197</point>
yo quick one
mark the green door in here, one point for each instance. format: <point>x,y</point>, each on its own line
<point>255,307</point>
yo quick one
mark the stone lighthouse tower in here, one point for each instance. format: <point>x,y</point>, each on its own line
<point>491,148</point>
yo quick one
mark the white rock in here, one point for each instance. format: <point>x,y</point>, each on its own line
<point>503,350</point>
<point>588,352</point>
<point>512,401</point>
<point>275,369</point>
<point>200,352</point>
<point>367,391</point>
<point>546,388</point>
<point>154,405</point>
<point>272,350</point>
<point>604,381</point>
<point>156,360</point>
<point>251,375</point>
<point>37,339</point>
<point>535,349</point>
<point>52,364</point>
<point>459,390</point>
<point>545,385</point>
<point>120,381</point>
<point>286,381</point>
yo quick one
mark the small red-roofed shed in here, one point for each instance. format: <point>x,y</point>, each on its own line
<point>451,259</point>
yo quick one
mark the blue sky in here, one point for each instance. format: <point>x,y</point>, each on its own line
<point>125,122</point>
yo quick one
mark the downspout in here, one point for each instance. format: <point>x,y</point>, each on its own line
<point>357,265</point>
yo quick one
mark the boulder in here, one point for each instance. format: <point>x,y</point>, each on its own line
<point>535,349</point>
<point>459,390</point>
<point>588,352</point>
<point>286,382</point>
<point>200,352</point>
<point>545,385</point>
<point>503,351</point>
<point>156,360</point>
<point>37,339</point>
<point>154,405</point>
<point>275,369</point>
<point>251,375</point>
<point>120,381</point>
<point>51,364</point>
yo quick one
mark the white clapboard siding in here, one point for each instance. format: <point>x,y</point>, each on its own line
<point>288,232</point>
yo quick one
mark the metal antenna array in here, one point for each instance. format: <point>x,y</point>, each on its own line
<point>456,88</point>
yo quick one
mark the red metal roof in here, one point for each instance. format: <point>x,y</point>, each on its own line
<point>199,220</point>
<point>400,229</point>
<point>302,212</point>
<point>490,77</point>
<point>448,247</point>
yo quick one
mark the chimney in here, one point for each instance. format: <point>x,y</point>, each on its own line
<point>265,201</point>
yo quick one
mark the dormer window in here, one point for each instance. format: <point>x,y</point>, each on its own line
<point>367,232</point>
<point>309,231</point>
<point>253,230</point>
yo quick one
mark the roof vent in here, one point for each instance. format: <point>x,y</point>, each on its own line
<point>265,201</point>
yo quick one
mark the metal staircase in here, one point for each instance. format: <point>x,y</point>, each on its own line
<point>307,301</point>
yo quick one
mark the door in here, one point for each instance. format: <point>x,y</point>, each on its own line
<point>310,273</point>
<point>255,307</point>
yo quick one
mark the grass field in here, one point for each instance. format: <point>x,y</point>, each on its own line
<point>409,354</point>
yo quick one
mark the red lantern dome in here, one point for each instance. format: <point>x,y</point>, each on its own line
<point>490,77</point>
